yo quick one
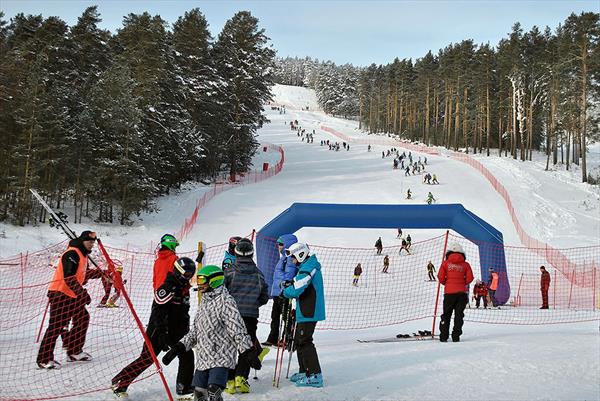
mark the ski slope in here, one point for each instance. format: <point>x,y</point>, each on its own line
<point>492,362</point>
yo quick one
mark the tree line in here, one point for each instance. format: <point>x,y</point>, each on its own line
<point>107,122</point>
<point>535,90</point>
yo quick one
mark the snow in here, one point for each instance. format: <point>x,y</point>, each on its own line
<point>492,362</point>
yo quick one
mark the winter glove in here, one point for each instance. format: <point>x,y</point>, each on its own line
<point>286,283</point>
<point>200,257</point>
<point>251,356</point>
<point>175,350</point>
<point>162,337</point>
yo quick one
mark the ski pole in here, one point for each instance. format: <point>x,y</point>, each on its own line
<point>283,339</point>
<point>293,340</point>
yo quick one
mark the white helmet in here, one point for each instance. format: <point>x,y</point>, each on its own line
<point>298,250</point>
<point>455,248</point>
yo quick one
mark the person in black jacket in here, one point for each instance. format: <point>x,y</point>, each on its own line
<point>169,322</point>
<point>247,286</point>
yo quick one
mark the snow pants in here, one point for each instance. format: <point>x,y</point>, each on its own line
<point>544,298</point>
<point>63,310</point>
<point>185,371</point>
<point>431,276</point>
<point>478,299</point>
<point>308,360</point>
<point>243,368</point>
<point>453,303</point>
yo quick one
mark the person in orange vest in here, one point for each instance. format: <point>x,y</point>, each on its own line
<point>455,275</point>
<point>67,299</point>
<point>492,287</point>
<point>544,286</point>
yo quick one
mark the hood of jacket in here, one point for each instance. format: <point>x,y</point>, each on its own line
<point>288,240</point>
<point>456,257</point>
<point>244,265</point>
<point>78,243</point>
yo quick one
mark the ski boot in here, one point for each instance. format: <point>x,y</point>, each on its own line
<point>263,353</point>
<point>81,357</point>
<point>214,393</point>
<point>241,385</point>
<point>311,381</point>
<point>49,365</point>
<point>119,392</point>
<point>297,376</point>
<point>184,393</point>
<point>230,388</point>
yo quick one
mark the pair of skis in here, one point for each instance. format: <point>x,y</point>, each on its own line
<point>419,336</point>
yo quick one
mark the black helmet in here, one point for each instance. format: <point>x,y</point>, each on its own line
<point>184,269</point>
<point>244,247</point>
<point>232,242</point>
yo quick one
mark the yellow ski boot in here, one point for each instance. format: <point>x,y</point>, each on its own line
<point>241,385</point>
<point>230,387</point>
<point>263,353</point>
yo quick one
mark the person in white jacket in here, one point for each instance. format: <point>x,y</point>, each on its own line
<point>217,335</point>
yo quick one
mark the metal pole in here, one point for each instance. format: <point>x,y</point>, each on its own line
<point>517,301</point>
<point>571,290</point>
<point>437,296</point>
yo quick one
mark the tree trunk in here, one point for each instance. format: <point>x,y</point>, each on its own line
<point>583,116</point>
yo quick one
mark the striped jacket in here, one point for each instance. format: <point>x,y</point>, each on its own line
<point>247,286</point>
<point>218,333</point>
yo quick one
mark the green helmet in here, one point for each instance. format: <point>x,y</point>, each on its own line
<point>169,241</point>
<point>212,275</point>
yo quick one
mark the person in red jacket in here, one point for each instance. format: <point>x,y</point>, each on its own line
<point>480,291</point>
<point>455,275</point>
<point>544,286</point>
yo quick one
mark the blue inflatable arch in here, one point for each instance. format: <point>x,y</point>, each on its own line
<point>453,216</point>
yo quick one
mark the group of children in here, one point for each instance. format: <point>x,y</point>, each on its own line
<point>223,332</point>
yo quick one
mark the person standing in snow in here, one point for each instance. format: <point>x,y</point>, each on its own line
<point>431,271</point>
<point>218,334</point>
<point>386,264</point>
<point>247,286</point>
<point>379,246</point>
<point>408,193</point>
<point>307,289</point>
<point>544,286</point>
<point>434,180</point>
<point>404,246</point>
<point>357,272</point>
<point>492,287</point>
<point>455,275</point>
<point>480,291</point>
<point>67,299</point>
<point>169,320</point>
<point>284,270</point>
<point>430,198</point>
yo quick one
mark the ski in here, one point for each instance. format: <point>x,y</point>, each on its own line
<point>199,263</point>
<point>422,336</point>
<point>67,230</point>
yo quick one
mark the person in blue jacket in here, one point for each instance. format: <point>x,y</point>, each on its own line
<point>285,270</point>
<point>307,288</point>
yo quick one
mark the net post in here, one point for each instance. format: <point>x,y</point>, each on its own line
<point>518,299</point>
<point>555,288</point>
<point>571,289</point>
<point>37,340</point>
<point>437,296</point>
<point>118,283</point>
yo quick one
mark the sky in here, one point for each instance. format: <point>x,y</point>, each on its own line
<point>356,32</point>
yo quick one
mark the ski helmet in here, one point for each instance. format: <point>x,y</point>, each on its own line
<point>232,242</point>
<point>212,275</point>
<point>455,248</point>
<point>169,241</point>
<point>299,251</point>
<point>184,268</point>
<point>244,247</point>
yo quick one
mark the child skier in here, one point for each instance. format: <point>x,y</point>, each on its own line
<point>430,198</point>
<point>218,334</point>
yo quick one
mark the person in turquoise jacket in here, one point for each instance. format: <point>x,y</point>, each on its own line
<point>307,288</point>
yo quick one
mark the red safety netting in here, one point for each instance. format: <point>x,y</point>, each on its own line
<point>402,294</point>
<point>241,179</point>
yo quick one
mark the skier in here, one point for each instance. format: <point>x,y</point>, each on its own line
<point>544,286</point>
<point>369,148</point>
<point>307,289</point>
<point>386,264</point>
<point>67,298</point>
<point>169,319</point>
<point>434,180</point>
<point>407,171</point>
<point>408,193</point>
<point>455,275</point>
<point>427,178</point>
<point>168,323</point>
<point>284,270</point>
<point>480,291</point>
<point>431,271</point>
<point>218,334</point>
<point>430,198</point>
<point>379,246</point>
<point>408,241</point>
<point>399,233</point>
<point>492,287</point>
<point>356,276</point>
<point>404,246</point>
<point>107,283</point>
<point>229,257</point>
<point>247,286</point>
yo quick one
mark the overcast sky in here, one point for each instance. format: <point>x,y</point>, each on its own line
<point>357,32</point>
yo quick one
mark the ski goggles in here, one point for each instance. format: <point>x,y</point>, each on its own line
<point>210,279</point>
